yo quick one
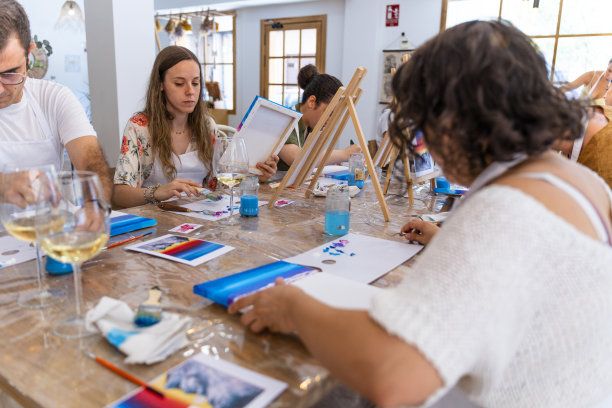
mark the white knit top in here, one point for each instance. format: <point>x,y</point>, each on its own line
<point>510,302</point>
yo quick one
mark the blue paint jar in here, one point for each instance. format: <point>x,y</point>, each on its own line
<point>356,175</point>
<point>249,205</point>
<point>56,267</point>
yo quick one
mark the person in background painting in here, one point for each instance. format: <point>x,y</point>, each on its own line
<point>523,262</point>
<point>167,149</point>
<point>39,118</point>
<point>319,89</point>
<point>596,84</point>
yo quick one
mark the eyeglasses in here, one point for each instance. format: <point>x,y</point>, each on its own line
<point>12,78</point>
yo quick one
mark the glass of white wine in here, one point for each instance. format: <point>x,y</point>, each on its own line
<point>231,166</point>
<point>25,191</point>
<point>83,235</point>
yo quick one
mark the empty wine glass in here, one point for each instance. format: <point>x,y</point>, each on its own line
<point>24,192</point>
<point>84,234</point>
<point>231,166</point>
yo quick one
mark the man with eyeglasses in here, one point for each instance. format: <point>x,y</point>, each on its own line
<point>39,118</point>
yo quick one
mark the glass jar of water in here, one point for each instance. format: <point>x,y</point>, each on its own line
<point>356,175</point>
<point>337,206</point>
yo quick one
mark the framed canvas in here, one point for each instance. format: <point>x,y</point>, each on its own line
<point>392,59</point>
<point>265,128</point>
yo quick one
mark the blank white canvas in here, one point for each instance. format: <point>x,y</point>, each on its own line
<point>265,130</point>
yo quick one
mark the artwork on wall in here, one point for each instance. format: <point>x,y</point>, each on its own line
<point>392,59</point>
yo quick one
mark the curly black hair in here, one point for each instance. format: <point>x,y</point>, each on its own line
<point>480,93</point>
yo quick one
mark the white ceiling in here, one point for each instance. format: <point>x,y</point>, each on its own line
<point>173,6</point>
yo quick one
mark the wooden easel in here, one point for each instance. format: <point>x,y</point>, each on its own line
<point>321,142</point>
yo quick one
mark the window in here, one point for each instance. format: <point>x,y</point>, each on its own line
<point>216,51</point>
<point>574,35</point>
<point>288,44</point>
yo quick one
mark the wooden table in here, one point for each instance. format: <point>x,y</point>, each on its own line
<point>38,369</point>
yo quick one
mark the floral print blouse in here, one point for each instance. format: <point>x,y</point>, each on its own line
<point>136,157</point>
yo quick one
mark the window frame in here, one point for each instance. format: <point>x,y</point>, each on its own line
<point>555,36</point>
<point>233,63</point>
<point>295,23</point>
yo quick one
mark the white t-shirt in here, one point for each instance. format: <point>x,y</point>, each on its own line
<point>62,110</point>
<point>511,303</point>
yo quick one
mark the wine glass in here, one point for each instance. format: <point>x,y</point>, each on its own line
<point>24,192</point>
<point>86,211</point>
<point>231,166</point>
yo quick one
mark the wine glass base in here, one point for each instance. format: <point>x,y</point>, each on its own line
<point>40,300</point>
<point>72,328</point>
<point>234,220</point>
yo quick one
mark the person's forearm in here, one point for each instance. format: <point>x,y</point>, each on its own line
<point>337,156</point>
<point>128,196</point>
<point>361,354</point>
<point>100,167</point>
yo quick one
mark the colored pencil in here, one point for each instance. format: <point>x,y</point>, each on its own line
<point>123,374</point>
<point>128,240</point>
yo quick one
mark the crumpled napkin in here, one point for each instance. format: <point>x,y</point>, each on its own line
<point>142,345</point>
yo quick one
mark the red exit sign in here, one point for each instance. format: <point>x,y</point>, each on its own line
<point>392,15</point>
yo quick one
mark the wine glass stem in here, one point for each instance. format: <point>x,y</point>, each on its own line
<point>78,288</point>
<point>38,268</point>
<point>231,201</point>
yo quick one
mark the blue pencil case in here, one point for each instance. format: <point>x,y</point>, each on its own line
<point>128,223</point>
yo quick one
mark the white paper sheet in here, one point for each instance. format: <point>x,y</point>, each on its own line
<point>338,292</point>
<point>14,251</point>
<point>358,257</point>
<point>221,207</point>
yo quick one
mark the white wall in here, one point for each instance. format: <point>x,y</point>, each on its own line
<point>365,36</point>
<point>248,37</point>
<point>121,48</point>
<point>43,15</point>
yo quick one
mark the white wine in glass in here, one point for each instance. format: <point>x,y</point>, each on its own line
<point>231,166</point>
<point>83,235</point>
<point>25,192</point>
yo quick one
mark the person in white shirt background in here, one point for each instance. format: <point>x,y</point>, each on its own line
<point>39,118</point>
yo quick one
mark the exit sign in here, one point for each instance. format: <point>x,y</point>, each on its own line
<point>392,15</point>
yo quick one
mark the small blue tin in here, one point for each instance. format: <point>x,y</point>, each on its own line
<point>249,205</point>
<point>56,267</point>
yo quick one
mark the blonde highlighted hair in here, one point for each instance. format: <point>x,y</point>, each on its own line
<point>160,118</point>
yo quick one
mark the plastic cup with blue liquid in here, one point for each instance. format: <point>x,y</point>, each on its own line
<point>337,211</point>
<point>356,176</point>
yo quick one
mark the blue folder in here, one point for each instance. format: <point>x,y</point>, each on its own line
<point>128,222</point>
<point>225,290</point>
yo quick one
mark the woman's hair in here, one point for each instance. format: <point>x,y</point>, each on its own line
<point>322,86</point>
<point>160,118</point>
<point>480,93</point>
<point>14,22</point>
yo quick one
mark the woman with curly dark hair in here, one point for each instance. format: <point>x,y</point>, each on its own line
<point>511,299</point>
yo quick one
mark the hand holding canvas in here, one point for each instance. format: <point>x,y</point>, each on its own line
<point>270,308</point>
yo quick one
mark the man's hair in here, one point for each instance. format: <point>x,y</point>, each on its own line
<point>480,93</point>
<point>159,116</point>
<point>14,22</point>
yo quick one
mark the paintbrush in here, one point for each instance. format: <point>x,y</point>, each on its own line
<point>150,311</point>
<point>122,373</point>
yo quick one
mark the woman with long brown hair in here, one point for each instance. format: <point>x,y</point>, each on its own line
<point>167,148</point>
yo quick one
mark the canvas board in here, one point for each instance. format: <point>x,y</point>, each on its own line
<point>358,257</point>
<point>205,381</point>
<point>265,128</point>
